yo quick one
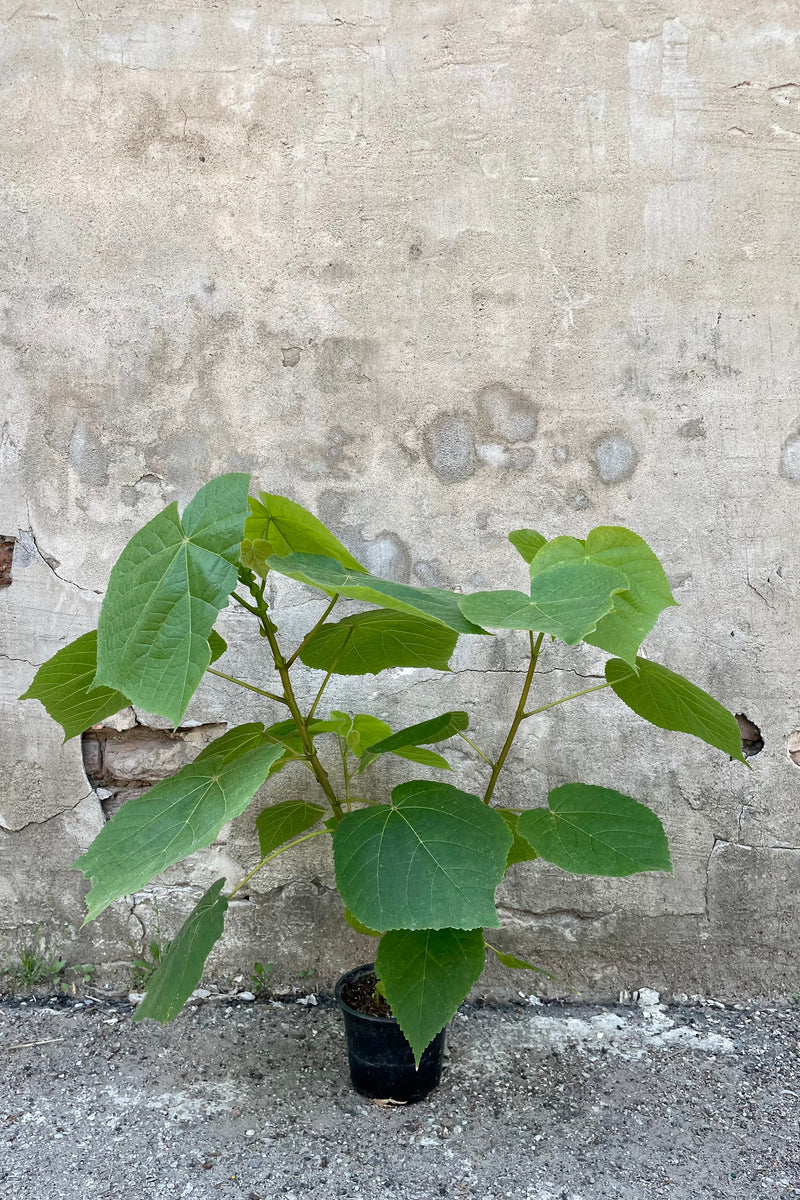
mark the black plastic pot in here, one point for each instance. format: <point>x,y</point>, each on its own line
<point>381,1060</point>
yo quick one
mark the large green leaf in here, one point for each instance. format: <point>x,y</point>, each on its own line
<point>170,821</point>
<point>435,604</point>
<point>181,968</point>
<point>281,822</point>
<point>520,850</point>
<point>164,595</point>
<point>591,830</point>
<point>426,974</point>
<point>527,542</point>
<point>566,601</point>
<point>431,860</point>
<point>637,608</point>
<point>64,686</point>
<point>437,729</point>
<point>289,528</point>
<point>372,641</point>
<point>672,702</point>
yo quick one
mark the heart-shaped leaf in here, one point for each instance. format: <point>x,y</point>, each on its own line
<point>566,601</point>
<point>528,542</point>
<point>431,860</point>
<point>64,684</point>
<point>282,822</point>
<point>636,608</point>
<point>287,527</point>
<point>165,593</point>
<point>591,830</point>
<point>515,963</point>
<point>425,975</point>
<point>520,850</point>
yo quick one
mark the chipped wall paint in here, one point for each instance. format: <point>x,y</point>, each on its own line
<point>437,272</point>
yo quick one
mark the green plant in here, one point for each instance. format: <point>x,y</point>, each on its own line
<point>260,977</point>
<point>36,965</point>
<point>420,872</point>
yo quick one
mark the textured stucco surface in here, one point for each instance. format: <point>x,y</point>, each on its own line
<point>436,270</point>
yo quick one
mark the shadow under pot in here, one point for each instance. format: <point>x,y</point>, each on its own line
<point>381,1060</point>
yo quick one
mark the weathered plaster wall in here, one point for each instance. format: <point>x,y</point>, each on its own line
<point>436,270</point>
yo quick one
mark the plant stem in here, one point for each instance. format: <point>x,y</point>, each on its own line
<point>245,604</point>
<point>290,700</point>
<point>333,666</point>
<point>564,700</point>
<point>250,687</point>
<point>311,632</point>
<point>274,854</point>
<point>477,749</point>
<point>318,696</point>
<point>519,715</point>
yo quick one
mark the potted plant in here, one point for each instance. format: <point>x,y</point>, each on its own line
<point>420,872</point>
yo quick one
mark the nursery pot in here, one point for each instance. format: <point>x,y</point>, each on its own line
<point>381,1060</point>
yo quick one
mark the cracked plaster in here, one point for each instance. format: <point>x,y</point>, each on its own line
<point>604,350</point>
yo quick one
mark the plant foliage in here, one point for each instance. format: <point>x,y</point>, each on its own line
<point>421,870</point>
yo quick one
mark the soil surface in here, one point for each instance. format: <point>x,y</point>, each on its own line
<point>252,1101</point>
<point>360,994</point>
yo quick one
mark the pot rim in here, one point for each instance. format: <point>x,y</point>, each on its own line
<point>355,973</point>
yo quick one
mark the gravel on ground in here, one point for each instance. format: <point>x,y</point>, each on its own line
<point>251,1100</point>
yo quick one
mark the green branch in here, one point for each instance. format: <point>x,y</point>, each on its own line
<point>519,715</point>
<point>274,854</point>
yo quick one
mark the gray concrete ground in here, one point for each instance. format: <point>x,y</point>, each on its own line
<point>538,1102</point>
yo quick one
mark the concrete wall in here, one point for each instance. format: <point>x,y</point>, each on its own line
<point>437,270</point>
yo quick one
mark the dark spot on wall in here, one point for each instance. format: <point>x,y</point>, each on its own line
<point>509,412</point>
<point>6,559</point>
<point>614,457</point>
<point>386,555</point>
<point>752,741</point>
<point>332,458</point>
<point>579,501</point>
<point>345,363</point>
<point>430,574</point>
<point>693,430</point>
<point>450,448</point>
<point>88,459</point>
<point>291,355</point>
<point>415,251</point>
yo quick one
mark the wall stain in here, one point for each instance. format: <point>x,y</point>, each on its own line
<point>450,448</point>
<point>694,430</point>
<point>345,362</point>
<point>614,457</point>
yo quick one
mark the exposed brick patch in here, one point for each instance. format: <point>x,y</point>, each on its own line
<point>6,558</point>
<point>121,764</point>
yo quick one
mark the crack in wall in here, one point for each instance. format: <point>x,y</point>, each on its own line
<point>52,562</point>
<point>46,820</point>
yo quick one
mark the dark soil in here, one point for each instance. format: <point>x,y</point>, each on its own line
<point>360,994</point>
